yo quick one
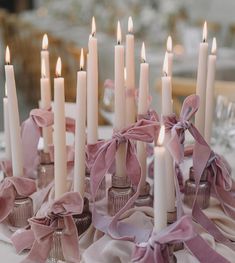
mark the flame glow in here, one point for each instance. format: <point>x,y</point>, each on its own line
<point>119,33</point>
<point>58,67</point>
<point>165,64</point>
<point>125,73</point>
<point>161,136</point>
<point>143,53</point>
<point>45,42</point>
<point>169,44</point>
<point>93,26</point>
<point>7,55</point>
<point>204,33</point>
<point>130,24</point>
<point>82,60</point>
<point>214,46</point>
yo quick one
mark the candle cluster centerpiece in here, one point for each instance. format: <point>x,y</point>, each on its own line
<point>73,179</point>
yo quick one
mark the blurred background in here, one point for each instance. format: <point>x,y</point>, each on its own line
<point>68,25</point>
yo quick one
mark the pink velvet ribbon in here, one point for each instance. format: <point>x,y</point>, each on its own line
<point>101,156</point>
<point>201,156</point>
<point>40,236</point>
<point>156,249</point>
<point>10,188</point>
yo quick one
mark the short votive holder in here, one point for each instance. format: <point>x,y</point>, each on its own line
<point>118,195</point>
<point>144,198</point>
<point>203,197</point>
<point>45,170</point>
<point>56,252</point>
<point>101,193</point>
<point>22,211</point>
<point>83,220</point>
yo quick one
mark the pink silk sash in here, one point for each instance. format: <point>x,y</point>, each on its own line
<point>40,236</point>
<point>10,188</point>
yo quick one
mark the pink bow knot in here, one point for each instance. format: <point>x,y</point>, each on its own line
<point>11,187</point>
<point>156,249</point>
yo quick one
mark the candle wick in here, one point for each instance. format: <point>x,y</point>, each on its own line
<point>119,42</point>
<point>204,40</point>
<point>164,74</point>
<point>93,34</point>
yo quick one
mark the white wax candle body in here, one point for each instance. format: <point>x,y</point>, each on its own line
<point>119,107</point>
<point>130,80</point>
<point>46,104</point>
<point>160,194</point>
<point>59,138</point>
<point>45,57</point>
<point>201,86</point>
<point>80,134</point>
<point>210,97</point>
<point>143,109</point>
<point>170,56</point>
<point>6,129</point>
<point>92,92</point>
<point>166,110</point>
<point>14,123</point>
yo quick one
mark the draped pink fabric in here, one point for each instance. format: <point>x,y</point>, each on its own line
<point>156,249</point>
<point>10,187</point>
<point>39,237</point>
<point>101,156</point>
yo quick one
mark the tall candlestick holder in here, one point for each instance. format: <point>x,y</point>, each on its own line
<point>45,170</point>
<point>203,197</point>
<point>118,195</point>
<point>83,220</point>
<point>101,193</point>
<point>22,211</point>
<point>144,198</point>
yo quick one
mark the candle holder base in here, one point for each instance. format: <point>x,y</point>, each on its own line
<point>22,211</point>
<point>171,257</point>
<point>101,193</point>
<point>119,194</point>
<point>45,170</point>
<point>56,252</point>
<point>144,198</point>
<point>203,197</point>
<point>83,220</point>
<point>171,217</point>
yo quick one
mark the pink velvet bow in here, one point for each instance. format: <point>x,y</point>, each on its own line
<point>156,249</point>
<point>101,156</point>
<point>30,133</point>
<point>10,187</point>
<point>59,216</point>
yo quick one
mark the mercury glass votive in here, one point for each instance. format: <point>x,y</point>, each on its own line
<point>45,170</point>
<point>22,211</point>
<point>83,220</point>
<point>203,197</point>
<point>118,195</point>
<point>144,198</point>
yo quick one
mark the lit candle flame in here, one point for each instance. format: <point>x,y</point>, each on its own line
<point>45,42</point>
<point>169,44</point>
<point>214,46</point>
<point>204,33</point>
<point>161,136</point>
<point>143,54</point>
<point>93,26</point>
<point>81,60</point>
<point>119,33</point>
<point>5,89</point>
<point>165,64</point>
<point>130,24</point>
<point>7,56</point>
<point>125,73</point>
<point>58,67</point>
<point>43,68</point>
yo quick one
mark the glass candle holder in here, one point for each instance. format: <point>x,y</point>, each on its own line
<point>203,197</point>
<point>83,220</point>
<point>45,170</point>
<point>118,195</point>
<point>144,198</point>
<point>101,193</point>
<point>56,252</point>
<point>22,211</point>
